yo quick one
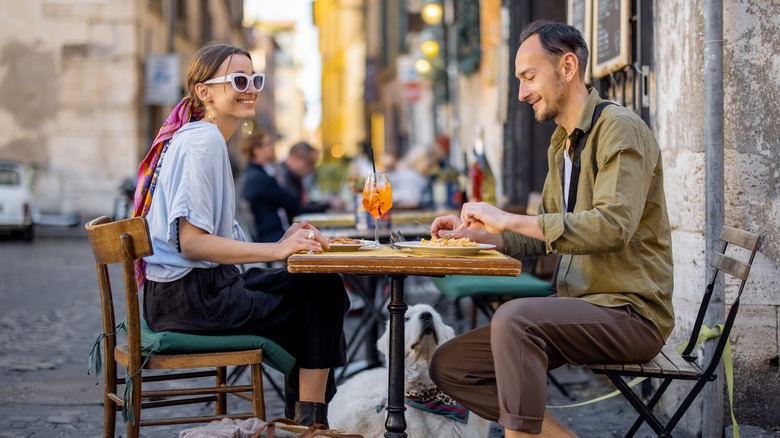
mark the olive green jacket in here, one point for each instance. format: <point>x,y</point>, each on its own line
<point>616,246</point>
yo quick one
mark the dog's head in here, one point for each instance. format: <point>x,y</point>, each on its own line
<point>424,330</point>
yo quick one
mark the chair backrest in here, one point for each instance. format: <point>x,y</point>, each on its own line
<point>122,242</point>
<point>734,267</point>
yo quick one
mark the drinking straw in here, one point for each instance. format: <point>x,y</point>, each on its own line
<point>373,163</point>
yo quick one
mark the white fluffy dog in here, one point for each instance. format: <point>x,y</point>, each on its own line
<point>354,408</point>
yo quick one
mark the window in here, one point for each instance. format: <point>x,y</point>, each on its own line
<point>9,177</point>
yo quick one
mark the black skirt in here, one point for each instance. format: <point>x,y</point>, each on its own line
<point>303,313</point>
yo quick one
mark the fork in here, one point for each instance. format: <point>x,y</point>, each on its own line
<point>395,237</point>
<point>447,236</point>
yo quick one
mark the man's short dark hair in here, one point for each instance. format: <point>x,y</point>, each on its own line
<point>301,149</point>
<point>558,39</point>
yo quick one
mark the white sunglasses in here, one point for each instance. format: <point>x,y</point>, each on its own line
<point>240,81</point>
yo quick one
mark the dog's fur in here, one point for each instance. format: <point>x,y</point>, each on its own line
<point>354,406</point>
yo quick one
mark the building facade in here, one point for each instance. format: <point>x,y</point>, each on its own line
<point>660,71</point>
<point>342,45</point>
<point>75,106</point>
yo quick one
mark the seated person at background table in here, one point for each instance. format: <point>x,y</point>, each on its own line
<point>186,192</point>
<point>261,190</point>
<point>411,178</point>
<point>300,163</point>
<point>614,283</point>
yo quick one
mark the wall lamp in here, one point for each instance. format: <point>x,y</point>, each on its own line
<point>432,12</point>
<point>429,48</point>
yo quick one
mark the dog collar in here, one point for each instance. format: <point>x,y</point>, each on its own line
<point>435,401</point>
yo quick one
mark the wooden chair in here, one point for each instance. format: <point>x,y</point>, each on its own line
<point>124,242</point>
<point>670,365</point>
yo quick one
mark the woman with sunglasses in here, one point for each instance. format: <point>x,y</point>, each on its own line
<point>191,283</point>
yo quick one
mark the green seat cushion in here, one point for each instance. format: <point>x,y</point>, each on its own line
<point>525,285</point>
<point>171,342</point>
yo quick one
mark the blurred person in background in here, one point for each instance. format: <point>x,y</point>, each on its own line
<point>191,282</point>
<point>410,178</point>
<point>361,165</point>
<point>262,191</point>
<point>300,164</point>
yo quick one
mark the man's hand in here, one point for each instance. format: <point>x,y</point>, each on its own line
<point>443,225</point>
<point>493,220</point>
<point>481,215</point>
<point>454,227</point>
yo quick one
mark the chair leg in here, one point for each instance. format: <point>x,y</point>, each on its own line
<point>220,407</point>
<point>239,371</point>
<point>650,405</point>
<point>458,312</point>
<point>640,407</point>
<point>473,313</point>
<point>558,385</point>
<point>279,391</point>
<point>134,430</point>
<point>686,403</point>
<point>258,397</point>
<point>109,406</point>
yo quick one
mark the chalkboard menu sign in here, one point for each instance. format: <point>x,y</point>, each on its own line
<point>579,14</point>
<point>611,43</point>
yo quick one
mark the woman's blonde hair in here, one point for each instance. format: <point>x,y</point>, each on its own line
<point>205,64</point>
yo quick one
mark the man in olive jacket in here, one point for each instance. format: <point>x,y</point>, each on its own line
<point>603,211</point>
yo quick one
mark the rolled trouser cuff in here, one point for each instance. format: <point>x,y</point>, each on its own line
<point>520,422</point>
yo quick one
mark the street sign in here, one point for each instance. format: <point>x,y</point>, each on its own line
<point>163,79</point>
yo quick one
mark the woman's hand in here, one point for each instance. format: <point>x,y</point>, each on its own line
<point>301,236</point>
<point>295,227</point>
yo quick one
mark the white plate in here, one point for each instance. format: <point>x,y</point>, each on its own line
<point>417,248</point>
<point>344,247</point>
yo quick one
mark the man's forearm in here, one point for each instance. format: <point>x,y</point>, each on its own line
<point>525,225</point>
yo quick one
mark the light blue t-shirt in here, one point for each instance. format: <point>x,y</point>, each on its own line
<point>196,183</point>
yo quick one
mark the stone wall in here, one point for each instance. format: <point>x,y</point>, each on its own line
<point>71,81</point>
<point>752,170</point>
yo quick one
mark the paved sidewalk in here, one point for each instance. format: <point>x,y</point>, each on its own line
<point>50,316</point>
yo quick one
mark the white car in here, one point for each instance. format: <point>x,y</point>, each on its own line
<point>16,204</point>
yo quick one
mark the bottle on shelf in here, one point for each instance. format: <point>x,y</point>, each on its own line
<point>461,185</point>
<point>475,179</point>
<point>439,189</point>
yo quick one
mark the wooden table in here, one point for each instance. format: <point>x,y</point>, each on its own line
<point>398,264</point>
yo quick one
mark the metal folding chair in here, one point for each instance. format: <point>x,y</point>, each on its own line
<point>669,365</point>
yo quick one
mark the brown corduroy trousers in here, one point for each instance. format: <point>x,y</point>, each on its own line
<point>499,371</point>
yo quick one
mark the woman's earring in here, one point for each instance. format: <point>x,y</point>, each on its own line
<point>209,114</point>
<point>246,128</point>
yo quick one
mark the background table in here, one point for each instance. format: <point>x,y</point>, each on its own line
<point>346,219</point>
<point>398,264</point>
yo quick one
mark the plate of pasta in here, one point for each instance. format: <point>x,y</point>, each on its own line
<point>346,244</point>
<point>436,246</point>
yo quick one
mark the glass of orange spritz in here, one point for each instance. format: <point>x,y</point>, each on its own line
<point>377,199</point>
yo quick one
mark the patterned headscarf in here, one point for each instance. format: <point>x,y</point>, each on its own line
<point>149,168</point>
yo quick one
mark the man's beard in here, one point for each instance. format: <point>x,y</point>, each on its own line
<point>554,103</point>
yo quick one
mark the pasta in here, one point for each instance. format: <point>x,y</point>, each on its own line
<point>435,241</point>
<point>344,241</point>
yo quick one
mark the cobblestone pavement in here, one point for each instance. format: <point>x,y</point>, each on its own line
<point>50,316</point>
